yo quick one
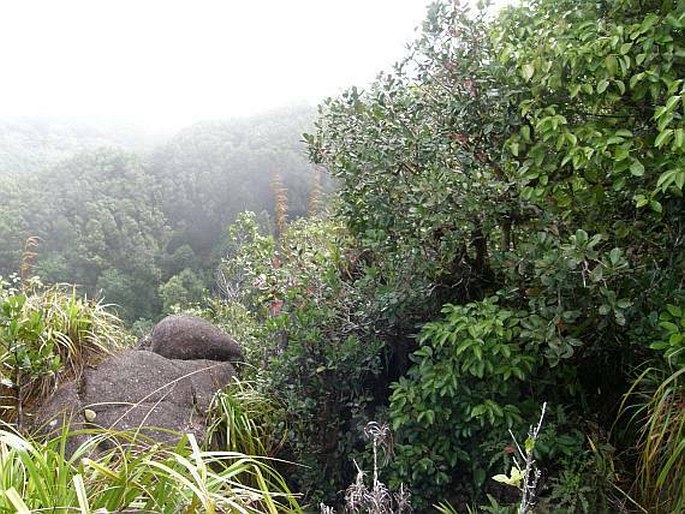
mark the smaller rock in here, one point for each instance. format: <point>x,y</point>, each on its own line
<point>188,337</point>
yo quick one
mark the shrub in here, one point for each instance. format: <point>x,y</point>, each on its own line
<point>465,382</point>
<point>538,157</point>
<point>312,339</point>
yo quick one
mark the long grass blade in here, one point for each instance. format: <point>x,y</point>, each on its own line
<point>16,501</point>
<point>81,494</point>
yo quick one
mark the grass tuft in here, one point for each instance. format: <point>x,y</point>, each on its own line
<point>243,419</point>
<point>47,336</point>
<point>657,401</point>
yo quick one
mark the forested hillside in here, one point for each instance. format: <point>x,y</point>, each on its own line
<point>142,229</point>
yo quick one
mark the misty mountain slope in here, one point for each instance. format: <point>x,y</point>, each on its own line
<point>145,230</point>
<point>211,171</point>
<point>28,144</point>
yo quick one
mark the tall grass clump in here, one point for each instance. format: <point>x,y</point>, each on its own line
<point>657,403</point>
<point>48,335</point>
<point>244,419</point>
<point>658,398</point>
<point>37,476</point>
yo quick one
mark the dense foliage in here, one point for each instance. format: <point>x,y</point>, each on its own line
<point>312,343</point>
<point>529,171</point>
<point>48,335</point>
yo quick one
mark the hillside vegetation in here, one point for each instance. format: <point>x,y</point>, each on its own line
<point>508,232</point>
<point>31,143</point>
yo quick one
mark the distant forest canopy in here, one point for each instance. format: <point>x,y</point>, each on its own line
<point>31,143</point>
<point>143,225</point>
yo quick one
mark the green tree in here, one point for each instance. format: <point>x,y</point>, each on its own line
<point>211,171</point>
<point>418,157</point>
<point>182,290</point>
<point>102,229</point>
<point>14,228</point>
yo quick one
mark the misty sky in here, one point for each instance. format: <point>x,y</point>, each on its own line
<point>171,62</point>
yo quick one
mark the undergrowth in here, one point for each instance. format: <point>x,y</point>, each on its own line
<point>42,476</point>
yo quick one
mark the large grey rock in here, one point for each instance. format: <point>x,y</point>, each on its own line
<point>63,408</point>
<point>139,392</point>
<point>154,421</point>
<point>63,405</point>
<point>191,338</point>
